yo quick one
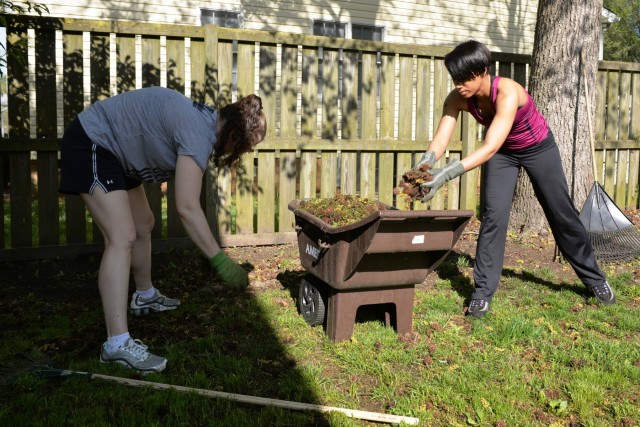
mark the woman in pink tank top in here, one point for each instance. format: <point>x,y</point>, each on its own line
<point>517,136</point>
<point>529,126</point>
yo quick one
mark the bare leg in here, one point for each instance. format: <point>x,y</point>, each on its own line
<point>112,213</point>
<point>141,256</point>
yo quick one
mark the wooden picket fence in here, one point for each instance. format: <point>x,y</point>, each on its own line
<point>617,131</point>
<point>344,115</point>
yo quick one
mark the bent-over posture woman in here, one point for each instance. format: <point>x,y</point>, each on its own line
<point>153,135</point>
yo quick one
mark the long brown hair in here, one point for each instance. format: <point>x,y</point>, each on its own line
<point>243,127</point>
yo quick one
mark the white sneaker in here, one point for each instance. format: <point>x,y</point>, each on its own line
<point>134,354</point>
<point>157,302</point>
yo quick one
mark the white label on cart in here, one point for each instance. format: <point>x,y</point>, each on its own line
<point>418,240</point>
<point>312,250</point>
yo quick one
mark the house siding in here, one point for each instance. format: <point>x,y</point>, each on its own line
<point>505,26</point>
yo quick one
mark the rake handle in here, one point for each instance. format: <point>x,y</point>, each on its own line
<point>255,400</point>
<point>590,126</point>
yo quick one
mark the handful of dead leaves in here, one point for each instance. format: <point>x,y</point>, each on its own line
<point>410,185</point>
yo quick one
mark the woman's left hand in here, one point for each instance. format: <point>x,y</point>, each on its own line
<point>440,176</point>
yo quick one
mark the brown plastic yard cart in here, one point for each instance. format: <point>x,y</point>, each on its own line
<point>375,261</point>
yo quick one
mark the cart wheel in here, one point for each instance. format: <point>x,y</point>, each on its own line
<point>311,303</point>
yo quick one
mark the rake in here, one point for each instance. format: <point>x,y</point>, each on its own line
<point>36,363</point>
<point>612,234</point>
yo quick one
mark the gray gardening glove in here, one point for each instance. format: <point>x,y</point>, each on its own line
<point>428,158</point>
<point>440,176</point>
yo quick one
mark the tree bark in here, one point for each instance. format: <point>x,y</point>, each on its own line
<point>565,30</point>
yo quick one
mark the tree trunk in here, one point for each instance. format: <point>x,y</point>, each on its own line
<point>564,30</point>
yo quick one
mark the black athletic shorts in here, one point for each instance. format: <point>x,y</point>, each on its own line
<point>85,166</point>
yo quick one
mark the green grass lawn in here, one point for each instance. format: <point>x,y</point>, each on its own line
<point>546,355</point>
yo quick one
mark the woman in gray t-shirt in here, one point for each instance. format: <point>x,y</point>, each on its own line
<point>152,135</point>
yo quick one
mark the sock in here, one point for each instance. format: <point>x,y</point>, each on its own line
<point>117,341</point>
<point>145,295</point>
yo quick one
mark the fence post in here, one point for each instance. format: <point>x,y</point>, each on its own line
<point>19,127</point>
<point>211,93</point>
<point>47,161</point>
<point>469,181</point>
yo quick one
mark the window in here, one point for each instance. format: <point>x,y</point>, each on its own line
<point>229,19</point>
<point>366,32</point>
<point>340,29</point>
<point>353,31</point>
<point>221,18</point>
<point>329,28</point>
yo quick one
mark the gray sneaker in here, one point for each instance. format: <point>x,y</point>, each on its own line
<point>478,308</point>
<point>604,293</point>
<point>133,354</point>
<point>157,302</point>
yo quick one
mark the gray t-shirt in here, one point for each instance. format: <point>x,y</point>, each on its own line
<point>146,129</point>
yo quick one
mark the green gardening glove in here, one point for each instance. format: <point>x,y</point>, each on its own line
<point>232,274</point>
<point>440,176</point>
<point>428,158</point>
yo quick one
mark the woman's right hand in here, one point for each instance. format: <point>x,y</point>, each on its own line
<point>428,158</point>
<point>232,274</point>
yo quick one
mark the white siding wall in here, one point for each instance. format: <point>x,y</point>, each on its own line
<point>504,25</point>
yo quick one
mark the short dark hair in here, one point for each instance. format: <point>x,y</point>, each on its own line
<point>467,60</point>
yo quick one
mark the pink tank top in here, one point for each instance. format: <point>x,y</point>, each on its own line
<point>529,126</point>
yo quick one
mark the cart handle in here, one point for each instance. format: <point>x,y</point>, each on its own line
<point>323,245</point>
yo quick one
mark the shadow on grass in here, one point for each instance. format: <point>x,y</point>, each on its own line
<point>449,270</point>
<point>463,285</point>
<point>290,280</point>
<point>216,340</point>
<point>532,278</point>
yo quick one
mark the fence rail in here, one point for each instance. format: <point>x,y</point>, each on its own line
<point>344,115</point>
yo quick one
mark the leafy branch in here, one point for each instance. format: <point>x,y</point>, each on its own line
<point>16,9</point>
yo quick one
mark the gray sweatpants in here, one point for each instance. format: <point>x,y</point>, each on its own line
<point>542,164</point>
